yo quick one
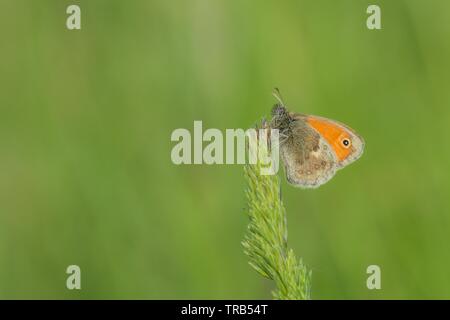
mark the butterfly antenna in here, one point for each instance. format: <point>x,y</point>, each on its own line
<point>277,94</point>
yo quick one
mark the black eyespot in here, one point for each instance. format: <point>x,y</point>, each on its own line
<point>346,142</point>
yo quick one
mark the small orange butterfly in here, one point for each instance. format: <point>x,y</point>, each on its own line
<point>313,148</point>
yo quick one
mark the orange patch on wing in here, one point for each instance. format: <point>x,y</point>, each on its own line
<point>333,134</point>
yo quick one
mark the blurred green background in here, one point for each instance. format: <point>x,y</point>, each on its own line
<point>86,117</point>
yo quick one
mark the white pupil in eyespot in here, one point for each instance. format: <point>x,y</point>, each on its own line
<point>345,142</point>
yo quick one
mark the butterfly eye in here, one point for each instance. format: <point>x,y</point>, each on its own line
<point>346,143</point>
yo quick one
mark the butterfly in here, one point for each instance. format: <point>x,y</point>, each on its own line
<point>313,148</point>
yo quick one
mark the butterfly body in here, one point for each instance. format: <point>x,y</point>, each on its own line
<point>313,148</point>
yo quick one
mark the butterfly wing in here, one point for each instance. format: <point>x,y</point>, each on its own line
<point>335,133</point>
<point>308,159</point>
